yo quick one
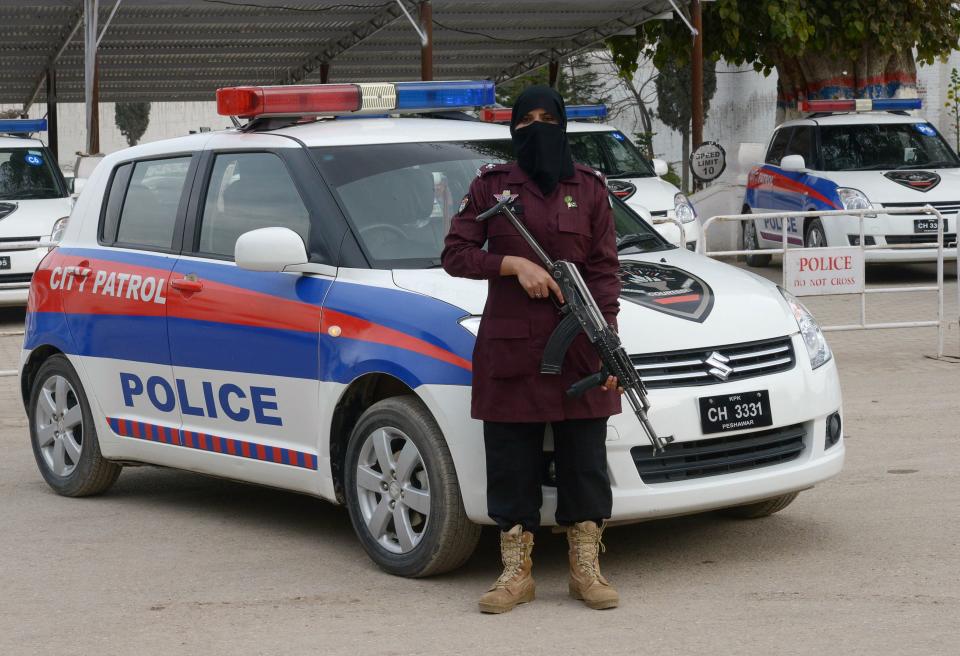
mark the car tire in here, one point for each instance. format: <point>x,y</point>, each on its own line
<point>763,508</point>
<point>63,434</point>
<point>752,242</point>
<point>814,236</point>
<point>407,512</point>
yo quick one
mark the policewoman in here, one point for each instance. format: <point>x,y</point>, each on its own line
<point>566,208</point>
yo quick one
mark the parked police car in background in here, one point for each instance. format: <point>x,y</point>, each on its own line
<point>629,175</point>
<point>267,304</point>
<point>34,204</point>
<point>856,154</point>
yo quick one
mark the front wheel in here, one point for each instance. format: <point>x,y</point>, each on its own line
<point>62,433</point>
<point>760,509</point>
<point>815,237</point>
<point>402,491</point>
<point>752,243</point>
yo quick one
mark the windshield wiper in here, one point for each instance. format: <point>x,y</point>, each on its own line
<point>628,174</point>
<point>634,239</point>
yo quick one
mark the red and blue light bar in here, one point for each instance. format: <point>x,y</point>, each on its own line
<point>861,105</point>
<point>361,98</point>
<point>23,125</point>
<point>574,112</point>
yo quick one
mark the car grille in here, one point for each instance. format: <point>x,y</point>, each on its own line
<point>719,455</point>
<point>948,206</point>
<point>923,238</point>
<point>688,368</point>
<point>11,278</point>
<point>4,241</point>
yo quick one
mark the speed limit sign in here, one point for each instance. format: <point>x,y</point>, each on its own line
<point>708,161</point>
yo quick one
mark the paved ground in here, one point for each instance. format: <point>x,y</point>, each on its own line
<point>168,562</point>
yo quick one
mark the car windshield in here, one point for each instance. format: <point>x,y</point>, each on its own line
<point>400,198</point>
<point>27,173</point>
<point>883,147</point>
<point>611,153</point>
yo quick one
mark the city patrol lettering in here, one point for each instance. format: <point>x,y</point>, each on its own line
<point>232,401</point>
<point>146,289</point>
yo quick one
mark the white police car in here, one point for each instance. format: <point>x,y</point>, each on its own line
<point>630,176</point>
<point>856,154</point>
<point>34,204</point>
<point>266,304</point>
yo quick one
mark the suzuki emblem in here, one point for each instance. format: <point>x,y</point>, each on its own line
<point>717,365</point>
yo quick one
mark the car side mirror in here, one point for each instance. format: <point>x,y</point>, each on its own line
<point>660,168</point>
<point>269,249</point>
<point>793,163</point>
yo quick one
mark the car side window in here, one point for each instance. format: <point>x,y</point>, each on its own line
<point>150,200</point>
<point>778,146</point>
<point>802,144</point>
<point>249,191</point>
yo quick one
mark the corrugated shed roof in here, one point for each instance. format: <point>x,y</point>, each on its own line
<point>184,49</point>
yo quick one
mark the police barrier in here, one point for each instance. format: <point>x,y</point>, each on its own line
<point>940,323</point>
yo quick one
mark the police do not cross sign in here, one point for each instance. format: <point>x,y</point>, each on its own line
<point>708,161</point>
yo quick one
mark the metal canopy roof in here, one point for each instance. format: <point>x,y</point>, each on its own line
<point>161,50</point>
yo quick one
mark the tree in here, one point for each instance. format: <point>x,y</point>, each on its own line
<point>953,104</point>
<point>819,48</point>
<point>577,82</point>
<point>132,118</point>
<point>673,102</point>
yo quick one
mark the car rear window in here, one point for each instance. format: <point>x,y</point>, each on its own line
<point>143,203</point>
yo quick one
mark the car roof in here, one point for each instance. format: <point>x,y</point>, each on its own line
<point>362,131</point>
<point>19,142</point>
<point>589,126</point>
<point>855,118</point>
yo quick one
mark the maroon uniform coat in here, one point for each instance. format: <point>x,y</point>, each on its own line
<point>575,223</point>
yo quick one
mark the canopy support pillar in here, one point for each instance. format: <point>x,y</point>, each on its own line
<point>426,49</point>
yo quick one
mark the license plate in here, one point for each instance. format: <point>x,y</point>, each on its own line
<point>4,261</point>
<point>730,412</point>
<point>928,225</point>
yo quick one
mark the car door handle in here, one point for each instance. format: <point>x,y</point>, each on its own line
<point>80,270</point>
<point>188,284</point>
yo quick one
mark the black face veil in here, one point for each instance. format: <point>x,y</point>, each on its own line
<point>542,149</point>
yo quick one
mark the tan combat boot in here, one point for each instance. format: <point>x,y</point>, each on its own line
<point>586,581</point>
<point>515,585</point>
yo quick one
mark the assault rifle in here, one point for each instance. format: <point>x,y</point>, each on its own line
<point>581,313</point>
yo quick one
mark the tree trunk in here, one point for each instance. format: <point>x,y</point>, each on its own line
<point>685,160</point>
<point>818,76</point>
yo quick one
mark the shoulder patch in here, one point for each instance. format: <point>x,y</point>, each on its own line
<point>464,203</point>
<point>487,168</point>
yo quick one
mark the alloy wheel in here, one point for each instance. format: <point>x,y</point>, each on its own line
<point>393,489</point>
<point>59,426</point>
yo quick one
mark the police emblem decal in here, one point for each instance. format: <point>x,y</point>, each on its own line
<point>918,180</point>
<point>666,289</point>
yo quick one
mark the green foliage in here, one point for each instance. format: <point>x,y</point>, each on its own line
<point>765,32</point>
<point>953,104</point>
<point>673,178</point>
<point>673,93</point>
<point>644,141</point>
<point>577,82</point>
<point>132,119</point>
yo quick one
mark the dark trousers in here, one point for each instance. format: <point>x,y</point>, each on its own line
<point>515,467</point>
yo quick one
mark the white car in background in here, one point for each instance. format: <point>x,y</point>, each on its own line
<point>630,176</point>
<point>856,155</point>
<point>34,205</point>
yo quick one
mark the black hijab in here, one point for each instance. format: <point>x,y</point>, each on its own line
<point>542,149</point>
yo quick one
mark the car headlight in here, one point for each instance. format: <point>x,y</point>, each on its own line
<point>59,227</point>
<point>854,199</point>
<point>471,323</point>
<point>683,209</point>
<point>817,348</point>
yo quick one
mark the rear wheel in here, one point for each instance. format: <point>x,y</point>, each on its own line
<point>402,491</point>
<point>752,243</point>
<point>63,435</point>
<point>815,237</point>
<point>763,508</point>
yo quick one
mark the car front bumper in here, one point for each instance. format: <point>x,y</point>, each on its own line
<point>15,281</point>
<point>797,396</point>
<point>896,233</point>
